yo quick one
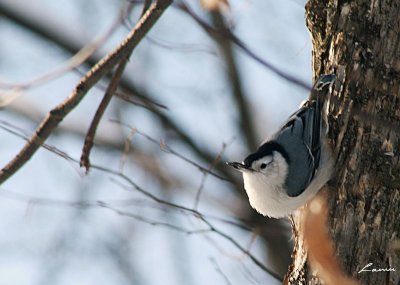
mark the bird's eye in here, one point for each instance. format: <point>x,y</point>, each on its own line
<point>263,165</point>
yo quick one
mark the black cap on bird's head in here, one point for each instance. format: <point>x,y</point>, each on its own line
<point>265,149</point>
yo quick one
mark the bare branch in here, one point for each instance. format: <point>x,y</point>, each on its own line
<point>129,91</point>
<point>56,115</point>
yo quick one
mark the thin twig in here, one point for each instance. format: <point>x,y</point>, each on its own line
<point>182,47</point>
<point>205,175</point>
<point>20,133</point>
<point>219,270</point>
<point>130,94</point>
<point>87,146</point>
<point>164,147</point>
<point>242,249</point>
<point>56,115</point>
<point>154,222</point>
<point>127,148</point>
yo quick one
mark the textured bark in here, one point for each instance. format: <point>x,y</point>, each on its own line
<point>359,42</point>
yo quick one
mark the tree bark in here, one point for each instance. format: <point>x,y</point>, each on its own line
<point>359,42</point>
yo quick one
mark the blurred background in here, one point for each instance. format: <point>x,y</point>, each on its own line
<point>159,205</point>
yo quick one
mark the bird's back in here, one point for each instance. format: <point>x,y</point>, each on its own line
<point>300,137</point>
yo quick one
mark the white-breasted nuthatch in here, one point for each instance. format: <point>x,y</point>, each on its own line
<point>289,169</point>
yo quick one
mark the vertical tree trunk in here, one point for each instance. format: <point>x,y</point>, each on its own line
<point>360,42</point>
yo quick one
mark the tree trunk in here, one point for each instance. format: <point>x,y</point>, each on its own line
<point>359,42</point>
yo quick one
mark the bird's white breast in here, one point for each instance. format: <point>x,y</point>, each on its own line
<point>266,196</point>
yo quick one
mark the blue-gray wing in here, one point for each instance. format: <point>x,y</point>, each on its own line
<point>300,137</point>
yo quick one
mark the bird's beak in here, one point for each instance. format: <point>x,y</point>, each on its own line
<point>239,166</point>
